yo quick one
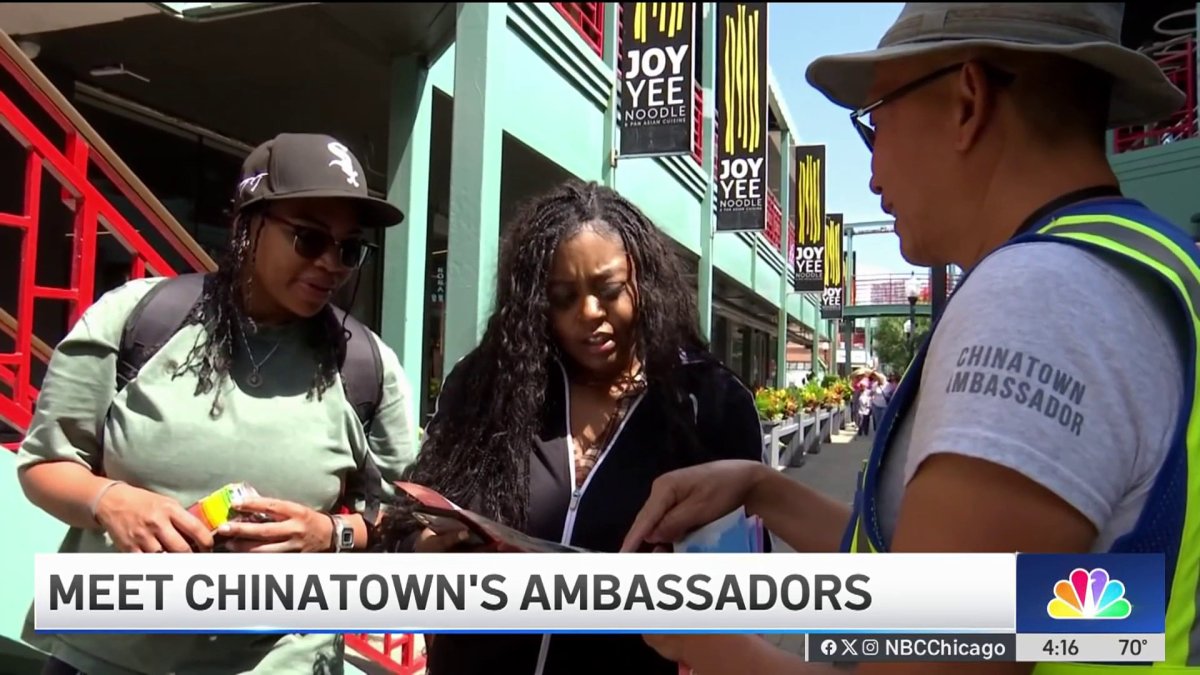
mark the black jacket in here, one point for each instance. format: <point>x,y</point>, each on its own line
<point>720,411</point>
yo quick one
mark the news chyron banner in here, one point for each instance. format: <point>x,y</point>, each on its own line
<point>882,607</point>
<point>658,79</point>
<point>833,269</point>
<point>809,199</point>
<point>741,117</point>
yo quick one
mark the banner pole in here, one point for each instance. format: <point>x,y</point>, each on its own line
<point>612,26</point>
<point>785,231</point>
<point>708,52</point>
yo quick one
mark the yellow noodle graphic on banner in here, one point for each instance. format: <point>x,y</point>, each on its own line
<point>756,112</point>
<point>743,43</point>
<point>834,263</point>
<point>668,14</point>
<point>808,201</point>
<point>741,125</point>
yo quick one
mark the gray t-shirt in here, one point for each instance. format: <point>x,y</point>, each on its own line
<point>1057,363</point>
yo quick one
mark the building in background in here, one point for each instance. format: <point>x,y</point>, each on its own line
<point>142,112</point>
<point>1159,164</point>
<point>459,112</point>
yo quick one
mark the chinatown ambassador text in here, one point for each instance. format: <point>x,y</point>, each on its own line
<point>492,592</point>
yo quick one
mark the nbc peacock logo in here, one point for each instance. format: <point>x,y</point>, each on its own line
<point>1089,595</point>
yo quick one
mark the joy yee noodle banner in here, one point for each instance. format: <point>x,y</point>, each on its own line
<point>741,117</point>
<point>810,218</point>
<point>834,262</point>
<point>658,79</point>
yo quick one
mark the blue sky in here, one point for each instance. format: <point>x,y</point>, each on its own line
<point>798,34</point>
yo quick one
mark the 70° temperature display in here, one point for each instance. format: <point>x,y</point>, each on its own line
<point>1111,648</point>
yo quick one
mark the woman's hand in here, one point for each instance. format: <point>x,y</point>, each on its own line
<point>140,521</point>
<point>682,500</point>
<point>294,528</point>
<point>431,542</point>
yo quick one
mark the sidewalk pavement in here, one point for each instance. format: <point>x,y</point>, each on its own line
<point>832,471</point>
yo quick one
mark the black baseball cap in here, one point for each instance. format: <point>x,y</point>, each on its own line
<point>290,166</point>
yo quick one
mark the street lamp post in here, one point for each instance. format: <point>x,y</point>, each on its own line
<point>912,288</point>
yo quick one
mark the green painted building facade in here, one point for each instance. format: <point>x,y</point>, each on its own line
<point>459,113</point>
<point>562,124</point>
<point>1166,178</point>
<point>1159,164</point>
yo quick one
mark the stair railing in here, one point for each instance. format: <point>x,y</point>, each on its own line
<point>69,167</point>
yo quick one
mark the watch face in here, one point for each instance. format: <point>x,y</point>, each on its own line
<point>347,537</point>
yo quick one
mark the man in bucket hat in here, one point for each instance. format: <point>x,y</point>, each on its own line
<point>1039,431</point>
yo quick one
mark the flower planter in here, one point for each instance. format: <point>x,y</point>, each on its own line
<point>818,402</point>
<point>771,425</point>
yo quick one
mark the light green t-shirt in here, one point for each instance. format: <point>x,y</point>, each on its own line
<point>158,435</point>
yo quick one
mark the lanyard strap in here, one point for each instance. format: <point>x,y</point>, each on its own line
<point>1054,205</point>
<point>1069,199</point>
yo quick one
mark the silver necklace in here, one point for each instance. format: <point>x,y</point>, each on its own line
<point>255,378</point>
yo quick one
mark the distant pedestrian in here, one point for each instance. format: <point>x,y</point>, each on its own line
<point>879,403</point>
<point>863,403</point>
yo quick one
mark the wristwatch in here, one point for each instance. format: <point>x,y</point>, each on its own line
<point>343,535</point>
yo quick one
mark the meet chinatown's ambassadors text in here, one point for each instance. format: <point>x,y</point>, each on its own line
<point>416,592</point>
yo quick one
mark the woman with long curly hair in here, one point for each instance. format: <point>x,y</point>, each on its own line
<point>590,381</point>
<point>249,385</point>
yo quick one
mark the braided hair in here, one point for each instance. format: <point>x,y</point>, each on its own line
<point>221,311</point>
<point>477,447</point>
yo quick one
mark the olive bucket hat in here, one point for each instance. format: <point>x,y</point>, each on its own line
<point>1088,32</point>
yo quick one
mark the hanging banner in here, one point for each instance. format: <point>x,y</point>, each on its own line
<point>809,198</point>
<point>658,79</point>
<point>741,89</point>
<point>834,264</point>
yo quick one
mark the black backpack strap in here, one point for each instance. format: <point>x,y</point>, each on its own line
<point>362,369</point>
<point>362,379</point>
<point>157,316</point>
<point>162,312</point>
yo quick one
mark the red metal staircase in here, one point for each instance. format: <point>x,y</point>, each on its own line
<point>93,214</point>
<point>70,169</point>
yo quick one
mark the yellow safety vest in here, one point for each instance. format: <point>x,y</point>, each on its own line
<point>1171,521</point>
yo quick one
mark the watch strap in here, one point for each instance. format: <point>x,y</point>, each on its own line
<point>340,527</point>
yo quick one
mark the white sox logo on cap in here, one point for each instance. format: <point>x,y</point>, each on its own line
<point>250,185</point>
<point>294,166</point>
<point>343,162</point>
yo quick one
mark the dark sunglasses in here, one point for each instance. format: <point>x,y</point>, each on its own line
<point>867,132</point>
<point>311,243</point>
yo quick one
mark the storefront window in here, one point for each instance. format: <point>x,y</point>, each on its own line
<point>720,338</point>
<point>757,363</point>
<point>772,360</point>
<point>193,181</point>
<point>738,354</point>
